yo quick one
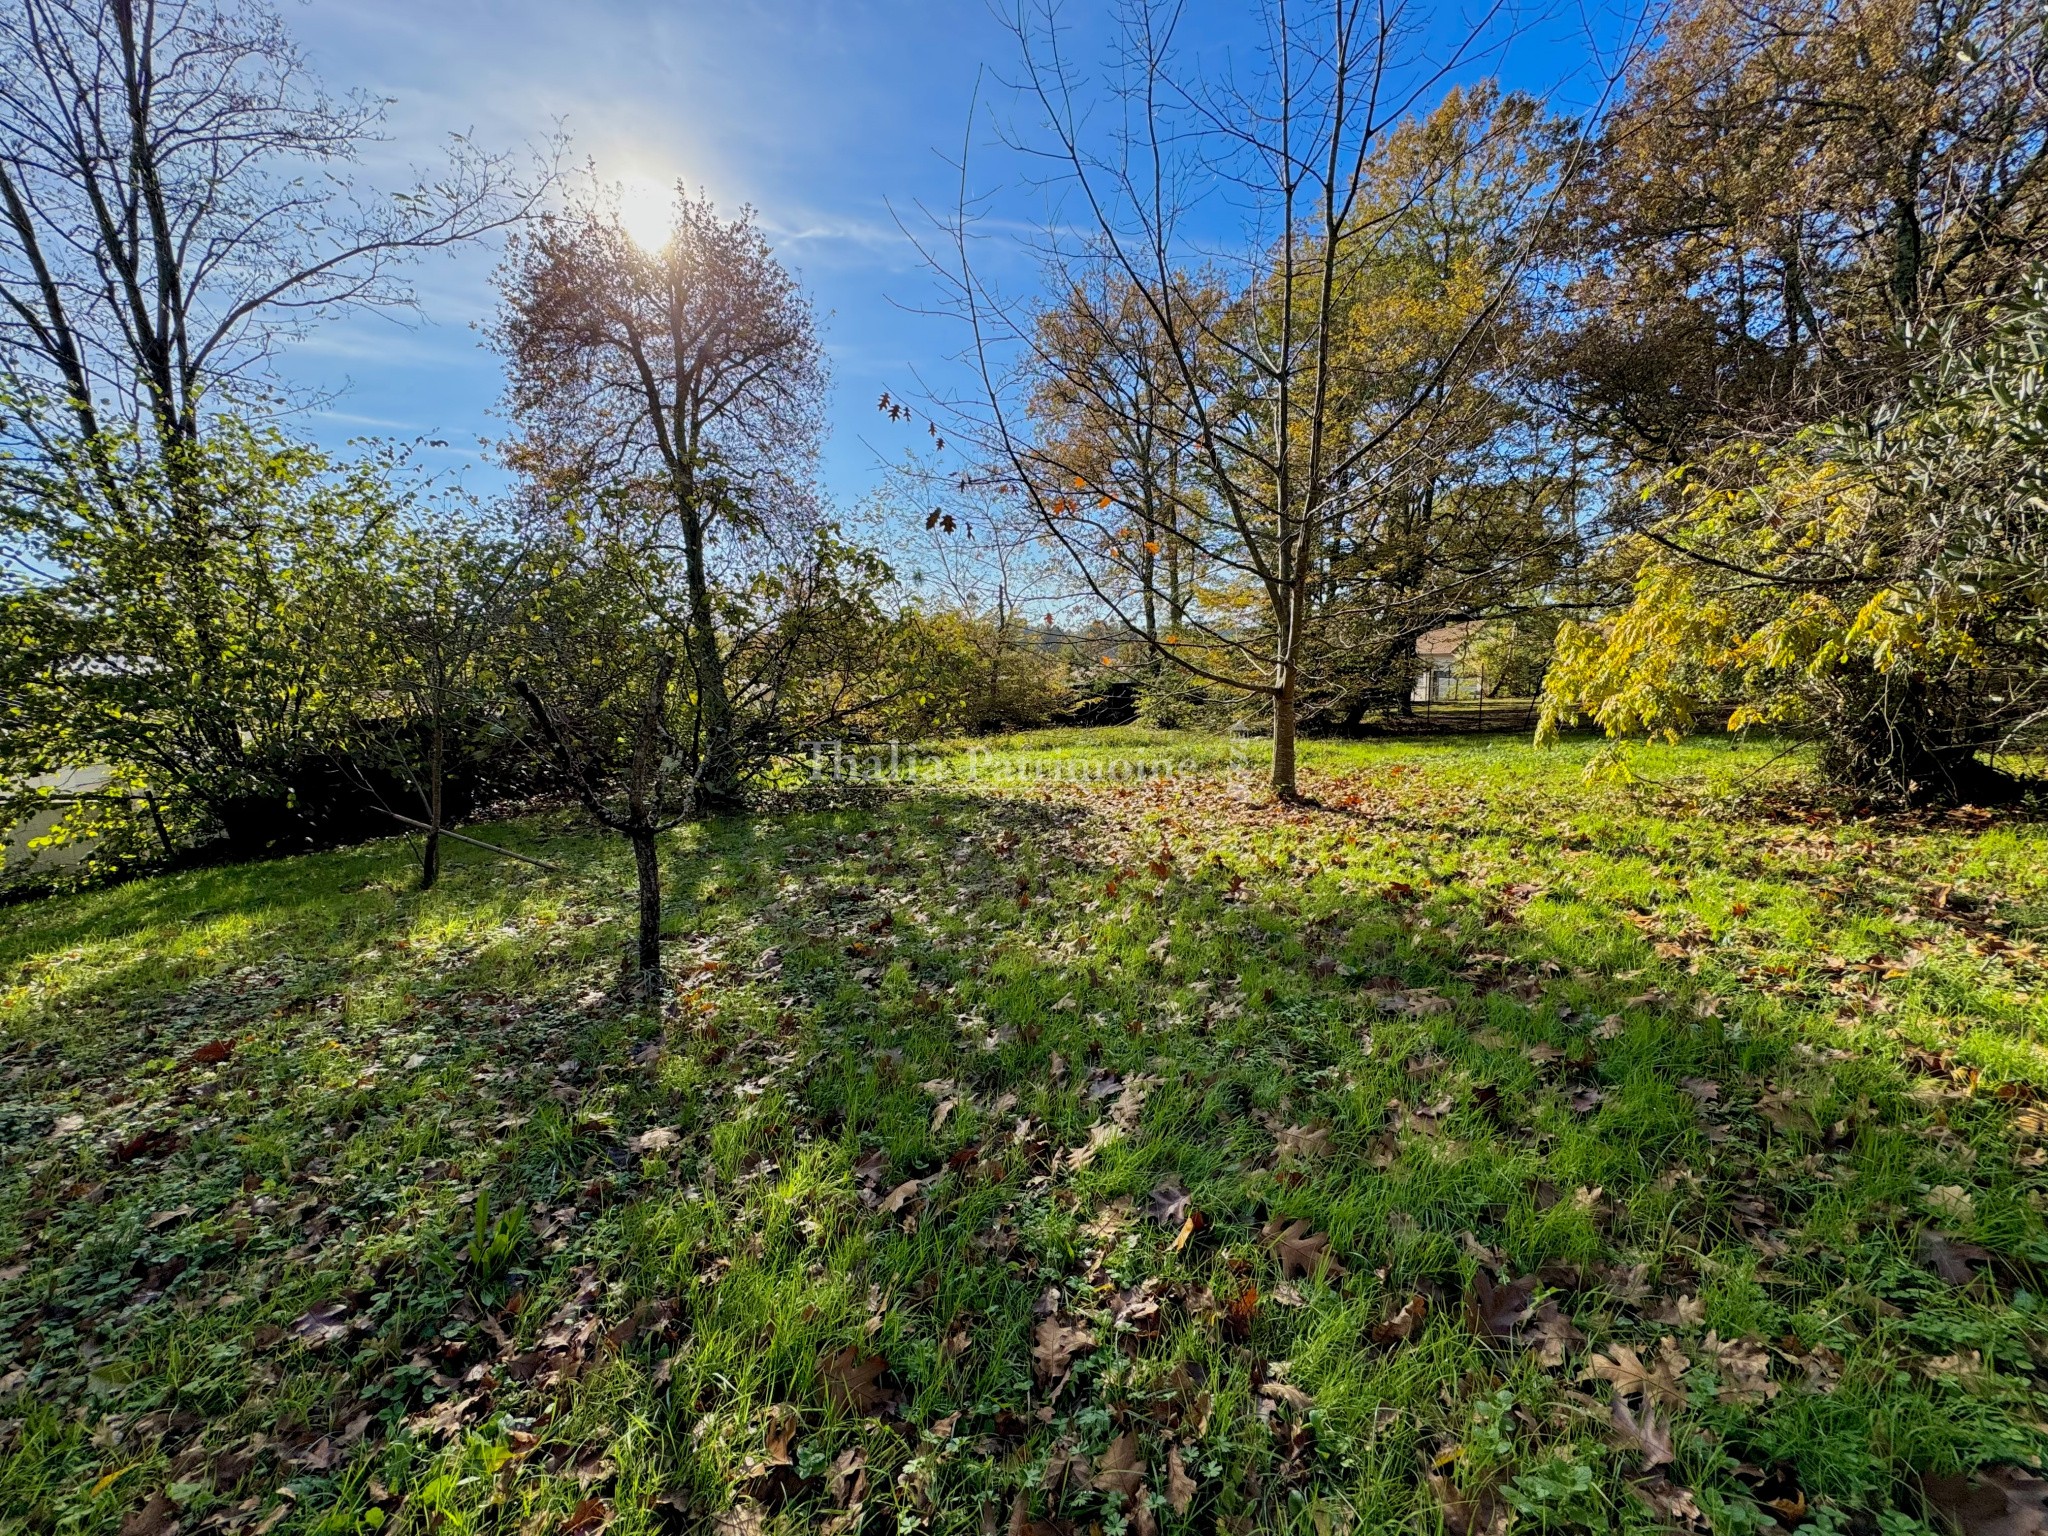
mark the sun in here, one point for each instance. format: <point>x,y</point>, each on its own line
<point>646,210</point>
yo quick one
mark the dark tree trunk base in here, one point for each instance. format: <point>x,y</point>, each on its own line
<point>647,955</point>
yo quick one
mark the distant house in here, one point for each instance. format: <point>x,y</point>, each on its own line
<point>1444,668</point>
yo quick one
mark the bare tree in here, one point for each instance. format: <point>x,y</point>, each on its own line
<point>1246,362</point>
<point>687,379</point>
<point>174,202</point>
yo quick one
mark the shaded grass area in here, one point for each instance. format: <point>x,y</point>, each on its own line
<point>1042,1146</point>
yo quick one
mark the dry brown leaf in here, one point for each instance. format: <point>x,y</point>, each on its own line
<point>1180,1486</point>
<point>853,1383</point>
<point>1648,1436</point>
<point>1118,1471</point>
<point>1992,1501</point>
<point>1951,1259</point>
<point>1478,1512</point>
<point>1405,1323</point>
<point>1168,1207</point>
<point>1280,1394</point>
<point>1300,1251</point>
<point>157,1516</point>
<point>1744,1367</point>
<point>779,1431</point>
<point>1130,1104</point>
<point>1677,1311</point>
<point>745,1518</point>
<point>847,1483</point>
<point>1495,1311</point>
<point>1054,1344</point>
<point>322,1324</point>
<point>1552,1335</point>
<point>1302,1141</point>
<point>1656,1380</point>
<point>1109,1221</point>
<point>1953,1202</point>
<point>1099,1137</point>
<point>1670,1502</point>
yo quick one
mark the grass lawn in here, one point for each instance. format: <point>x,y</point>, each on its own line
<point>1032,1152</point>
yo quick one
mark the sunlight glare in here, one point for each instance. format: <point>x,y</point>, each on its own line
<point>646,207</point>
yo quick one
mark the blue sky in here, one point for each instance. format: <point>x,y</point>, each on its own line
<point>825,115</point>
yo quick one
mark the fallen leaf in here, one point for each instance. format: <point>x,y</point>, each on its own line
<point>1744,1367</point>
<point>1281,1394</point>
<point>1478,1512</point>
<point>745,1518</point>
<point>1118,1470</point>
<point>156,1516</point>
<point>1130,1103</point>
<point>1992,1501</point>
<point>586,1519</point>
<point>1677,1311</point>
<point>854,1384</point>
<point>780,1426</point>
<point>1302,1141</point>
<point>847,1484</point>
<point>1670,1502</point>
<point>1109,1221</point>
<point>1495,1311</point>
<point>899,1197</point>
<point>1054,1344</point>
<point>1552,1335</point>
<point>1168,1206</point>
<point>1965,1369</point>
<point>1648,1436</point>
<point>1180,1487</point>
<point>322,1324</point>
<point>655,1140</point>
<point>1099,1136</point>
<point>1300,1251</point>
<point>1951,1259</point>
<point>1405,1323</point>
<point>1953,1202</point>
<point>1656,1380</point>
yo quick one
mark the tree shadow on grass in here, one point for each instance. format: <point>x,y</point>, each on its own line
<point>931,1060</point>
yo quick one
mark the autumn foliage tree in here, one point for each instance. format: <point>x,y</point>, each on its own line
<point>1263,442</point>
<point>704,614</point>
<point>1881,586</point>
<point>1798,328</point>
<point>1785,194</point>
<point>680,386</point>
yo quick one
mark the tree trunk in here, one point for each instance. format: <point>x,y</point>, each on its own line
<point>1283,736</point>
<point>720,779</point>
<point>647,960</point>
<point>430,861</point>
